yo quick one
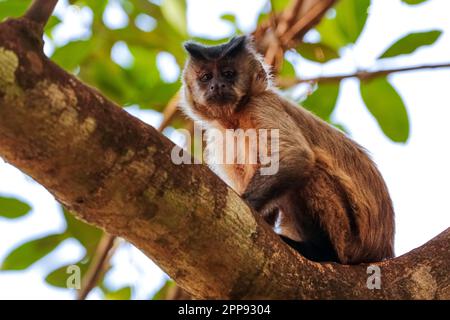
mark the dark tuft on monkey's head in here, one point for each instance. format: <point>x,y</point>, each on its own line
<point>221,78</point>
<point>210,53</point>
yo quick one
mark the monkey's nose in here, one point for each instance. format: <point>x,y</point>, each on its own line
<point>217,86</point>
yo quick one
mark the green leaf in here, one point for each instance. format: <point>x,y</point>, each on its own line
<point>98,6</point>
<point>411,43</point>
<point>263,16</point>
<point>28,253</point>
<point>162,293</point>
<point>351,16</point>
<point>413,2</point>
<point>14,8</point>
<point>323,100</point>
<point>58,277</point>
<point>175,13</point>
<point>386,105</point>
<point>346,25</point>
<point>12,208</point>
<point>109,78</point>
<point>160,95</point>
<point>72,54</point>
<point>17,8</point>
<point>87,235</point>
<point>229,17</point>
<point>330,34</point>
<point>121,294</point>
<point>52,23</point>
<point>279,5</point>
<point>317,52</point>
<point>287,70</point>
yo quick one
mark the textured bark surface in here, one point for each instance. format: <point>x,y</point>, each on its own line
<point>115,172</point>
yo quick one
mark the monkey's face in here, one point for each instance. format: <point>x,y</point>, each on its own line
<point>217,83</point>
<point>219,78</point>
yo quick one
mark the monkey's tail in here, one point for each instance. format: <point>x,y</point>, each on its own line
<point>355,204</point>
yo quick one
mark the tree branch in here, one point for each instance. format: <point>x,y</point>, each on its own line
<point>170,111</point>
<point>285,30</point>
<point>116,172</point>
<point>311,17</point>
<point>40,11</point>
<point>362,75</point>
<point>103,252</point>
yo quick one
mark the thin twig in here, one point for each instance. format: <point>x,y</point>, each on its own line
<point>170,111</point>
<point>311,17</point>
<point>279,25</point>
<point>362,75</point>
<point>40,11</point>
<point>288,16</point>
<point>98,265</point>
<point>284,30</point>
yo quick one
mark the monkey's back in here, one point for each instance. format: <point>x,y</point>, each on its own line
<point>346,193</point>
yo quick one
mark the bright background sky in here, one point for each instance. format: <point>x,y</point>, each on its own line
<point>416,173</point>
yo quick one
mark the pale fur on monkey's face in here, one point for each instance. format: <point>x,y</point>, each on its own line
<point>216,83</point>
<point>217,79</point>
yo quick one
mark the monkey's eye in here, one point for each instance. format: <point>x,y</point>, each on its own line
<point>206,77</point>
<point>228,74</point>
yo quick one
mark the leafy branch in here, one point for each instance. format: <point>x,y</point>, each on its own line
<point>362,75</point>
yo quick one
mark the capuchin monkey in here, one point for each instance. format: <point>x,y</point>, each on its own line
<point>327,199</point>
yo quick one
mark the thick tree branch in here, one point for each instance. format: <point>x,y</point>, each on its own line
<point>362,75</point>
<point>104,251</point>
<point>116,172</point>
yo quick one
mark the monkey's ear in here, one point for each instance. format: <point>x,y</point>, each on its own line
<point>195,50</point>
<point>235,45</point>
<point>261,76</point>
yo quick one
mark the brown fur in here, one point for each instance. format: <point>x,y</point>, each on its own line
<point>328,193</point>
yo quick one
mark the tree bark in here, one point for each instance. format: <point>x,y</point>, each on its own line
<point>116,172</point>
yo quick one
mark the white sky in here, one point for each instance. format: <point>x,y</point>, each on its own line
<point>417,173</point>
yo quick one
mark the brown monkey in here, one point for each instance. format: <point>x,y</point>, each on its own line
<point>327,200</point>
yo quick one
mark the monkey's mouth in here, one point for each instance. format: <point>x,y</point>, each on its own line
<point>221,98</point>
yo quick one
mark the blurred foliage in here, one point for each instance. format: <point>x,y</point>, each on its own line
<point>414,2</point>
<point>317,52</point>
<point>323,100</point>
<point>164,291</point>
<point>28,253</point>
<point>341,28</point>
<point>388,106</point>
<point>153,28</point>
<point>12,208</point>
<point>120,294</point>
<point>411,43</point>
